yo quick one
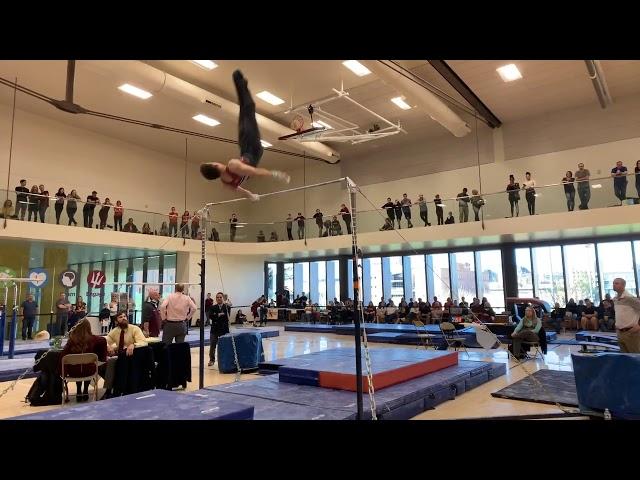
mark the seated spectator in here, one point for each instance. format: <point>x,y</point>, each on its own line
<point>260,237</point>
<point>449,219</point>
<point>391,313</point>
<point>381,312</point>
<point>370,313</point>
<point>274,237</point>
<point>240,318</point>
<point>571,314</point>
<point>327,229</point>
<point>487,307</point>
<point>164,230</point>
<point>129,227</point>
<point>81,340</point>
<point>589,320</point>
<point>336,229</point>
<point>387,225</point>
<point>215,236</point>
<point>7,206</point>
<point>556,319</point>
<point>146,229</point>
<point>527,330</point>
<point>606,316</point>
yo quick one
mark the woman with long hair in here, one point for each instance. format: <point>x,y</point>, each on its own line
<point>81,340</point>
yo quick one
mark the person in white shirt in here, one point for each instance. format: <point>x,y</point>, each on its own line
<point>176,311</point>
<point>627,308</point>
<point>530,193</point>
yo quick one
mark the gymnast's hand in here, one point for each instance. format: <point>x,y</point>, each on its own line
<point>254,197</point>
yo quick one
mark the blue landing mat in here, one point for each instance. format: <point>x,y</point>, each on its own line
<point>383,328</point>
<point>308,327</point>
<point>400,401</point>
<point>150,405</point>
<point>391,337</point>
<point>600,337</point>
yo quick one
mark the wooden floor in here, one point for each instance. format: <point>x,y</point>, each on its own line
<point>477,403</point>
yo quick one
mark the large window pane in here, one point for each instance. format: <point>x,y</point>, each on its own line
<point>272,281</point>
<point>153,274</point>
<point>438,277</point>
<point>288,278</point>
<point>490,282</point>
<point>463,281</point>
<point>318,287</point>
<point>548,276</point>
<point>109,273</point>
<point>333,280</point>
<point>415,277</point>
<point>580,272</point>
<point>525,276</point>
<point>300,278</point>
<point>615,260</point>
<point>372,280</point>
<point>136,290</point>
<point>168,274</point>
<point>392,279</point>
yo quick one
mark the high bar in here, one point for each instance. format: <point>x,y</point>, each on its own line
<point>148,283</point>
<point>281,191</point>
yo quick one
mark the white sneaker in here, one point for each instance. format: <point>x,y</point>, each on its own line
<point>282,176</point>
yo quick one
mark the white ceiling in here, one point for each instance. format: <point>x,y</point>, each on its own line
<point>547,86</point>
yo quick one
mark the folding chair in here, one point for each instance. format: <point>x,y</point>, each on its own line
<point>79,359</point>
<point>423,336</point>
<point>449,333</point>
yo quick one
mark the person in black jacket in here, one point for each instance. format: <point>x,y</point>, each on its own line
<point>219,316</point>
<point>390,211</point>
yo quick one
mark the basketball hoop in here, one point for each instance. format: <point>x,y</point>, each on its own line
<point>297,123</point>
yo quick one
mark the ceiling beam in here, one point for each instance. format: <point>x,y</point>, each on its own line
<point>463,89</point>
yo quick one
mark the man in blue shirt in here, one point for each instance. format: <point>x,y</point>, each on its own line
<point>29,311</point>
<point>619,174</point>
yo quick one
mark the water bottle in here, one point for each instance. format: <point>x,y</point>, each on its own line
<point>607,414</point>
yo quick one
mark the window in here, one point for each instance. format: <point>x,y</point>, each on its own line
<point>489,275</point>
<point>318,289</point>
<point>463,278</point>
<point>288,278</point>
<point>548,275</point>
<point>109,271</point>
<point>415,277</point>
<point>333,280</point>
<point>438,276</point>
<point>168,274</point>
<point>580,272</point>
<point>616,260</point>
<point>372,280</point>
<point>272,280</point>
<point>392,279</point>
<point>135,291</point>
<point>525,275</point>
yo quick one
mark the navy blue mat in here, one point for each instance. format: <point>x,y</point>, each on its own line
<point>150,405</point>
<point>549,386</point>
<point>600,337</point>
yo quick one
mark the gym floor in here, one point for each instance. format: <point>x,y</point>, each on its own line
<point>477,403</point>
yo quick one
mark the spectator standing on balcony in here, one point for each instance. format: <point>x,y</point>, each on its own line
<point>34,203</point>
<point>300,219</point>
<point>582,179</point>
<point>529,186</point>
<point>569,190</point>
<point>390,211</point>
<point>89,208</point>
<point>195,226</point>
<point>289,225</point>
<point>476,202</point>
<point>406,209</point>
<point>319,221</point>
<point>424,213</point>
<point>21,199</point>
<point>72,206</point>
<point>346,217</point>
<point>397,207</point>
<point>437,201</point>
<point>118,213</point>
<point>463,205</point>
<point>59,205</point>
<point>103,214</point>
<point>44,202</point>
<point>184,224</point>
<point>637,171</point>
<point>619,174</point>
<point>233,221</point>
<point>173,222</point>
<point>513,189</point>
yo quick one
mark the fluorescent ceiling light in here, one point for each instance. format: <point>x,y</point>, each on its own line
<point>321,124</point>
<point>265,144</point>
<point>356,67</point>
<point>135,91</point>
<point>269,98</point>
<point>509,73</point>
<point>399,101</point>
<point>597,185</point>
<point>212,122</point>
<point>206,64</point>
